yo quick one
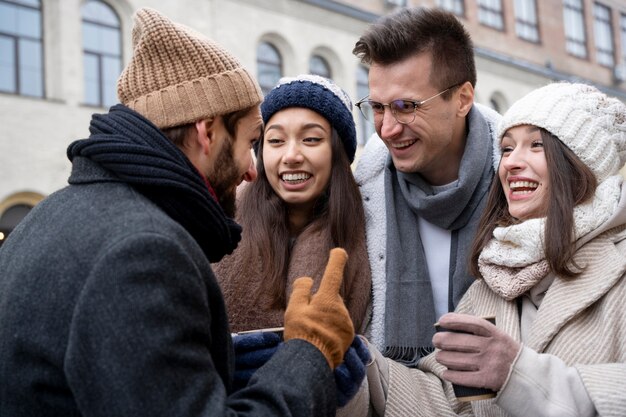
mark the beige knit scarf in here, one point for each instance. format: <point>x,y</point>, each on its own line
<point>513,261</point>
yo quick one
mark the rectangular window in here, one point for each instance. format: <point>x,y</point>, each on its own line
<point>455,6</point>
<point>21,51</point>
<point>490,13</point>
<point>526,20</point>
<point>574,23</point>
<point>102,53</point>
<point>603,33</point>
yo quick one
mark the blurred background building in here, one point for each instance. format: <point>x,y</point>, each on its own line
<point>60,59</point>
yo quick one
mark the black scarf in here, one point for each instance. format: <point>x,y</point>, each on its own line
<point>137,152</point>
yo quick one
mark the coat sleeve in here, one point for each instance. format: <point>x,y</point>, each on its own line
<point>542,384</point>
<point>148,338</point>
<point>605,385</point>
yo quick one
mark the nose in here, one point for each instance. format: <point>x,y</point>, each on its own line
<point>514,160</point>
<point>251,173</point>
<point>389,126</point>
<point>292,153</point>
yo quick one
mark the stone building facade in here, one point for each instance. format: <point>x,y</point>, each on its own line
<point>59,61</point>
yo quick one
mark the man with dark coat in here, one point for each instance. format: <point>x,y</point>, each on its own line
<point>108,305</point>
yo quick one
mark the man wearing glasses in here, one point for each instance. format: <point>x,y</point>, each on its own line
<point>424,193</point>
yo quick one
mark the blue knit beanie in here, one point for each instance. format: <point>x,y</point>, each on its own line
<point>320,95</point>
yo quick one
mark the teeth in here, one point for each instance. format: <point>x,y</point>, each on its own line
<point>523,184</point>
<point>299,176</point>
<point>404,144</point>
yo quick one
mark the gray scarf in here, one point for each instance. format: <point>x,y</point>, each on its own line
<point>409,308</point>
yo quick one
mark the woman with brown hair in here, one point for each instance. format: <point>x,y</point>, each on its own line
<point>304,202</point>
<point>550,262</point>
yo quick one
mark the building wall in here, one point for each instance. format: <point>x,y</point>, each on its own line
<point>36,132</point>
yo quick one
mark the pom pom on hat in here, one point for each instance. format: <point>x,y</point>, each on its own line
<point>320,95</point>
<point>589,122</point>
<point>177,75</point>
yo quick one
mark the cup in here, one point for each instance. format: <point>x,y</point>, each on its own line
<point>462,392</point>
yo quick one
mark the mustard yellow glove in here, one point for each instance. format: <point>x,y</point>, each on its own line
<point>321,319</point>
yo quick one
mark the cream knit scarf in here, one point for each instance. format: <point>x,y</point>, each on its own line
<point>513,261</point>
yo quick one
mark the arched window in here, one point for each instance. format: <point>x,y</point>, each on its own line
<point>362,90</point>
<point>319,66</point>
<point>21,52</point>
<point>10,218</point>
<point>269,66</point>
<point>498,102</point>
<point>102,53</point>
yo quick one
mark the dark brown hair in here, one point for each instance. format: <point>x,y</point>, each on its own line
<point>264,218</point>
<point>178,134</point>
<point>412,31</point>
<point>571,183</point>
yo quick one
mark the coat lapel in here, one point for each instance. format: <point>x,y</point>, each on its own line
<point>567,298</point>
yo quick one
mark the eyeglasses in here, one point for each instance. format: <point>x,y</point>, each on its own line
<point>403,110</point>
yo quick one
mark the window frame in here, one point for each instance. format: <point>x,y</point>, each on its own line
<point>487,12</point>
<point>15,45</point>
<point>267,63</point>
<point>321,61</point>
<point>600,23</point>
<point>575,47</point>
<point>100,56</point>
<point>523,22</point>
<point>456,7</point>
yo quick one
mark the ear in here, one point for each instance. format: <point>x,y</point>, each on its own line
<point>465,98</point>
<point>205,137</point>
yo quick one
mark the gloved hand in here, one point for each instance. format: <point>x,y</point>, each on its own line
<point>321,319</point>
<point>252,350</point>
<point>479,357</point>
<point>350,374</point>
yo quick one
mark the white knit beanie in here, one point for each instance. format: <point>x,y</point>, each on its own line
<point>589,122</point>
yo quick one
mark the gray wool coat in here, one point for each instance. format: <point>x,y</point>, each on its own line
<point>108,307</point>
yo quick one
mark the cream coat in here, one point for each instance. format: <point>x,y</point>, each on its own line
<point>582,321</point>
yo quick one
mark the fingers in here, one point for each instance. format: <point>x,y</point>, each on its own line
<point>333,275</point>
<point>466,323</point>
<point>301,293</point>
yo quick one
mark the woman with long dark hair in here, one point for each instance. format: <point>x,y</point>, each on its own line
<point>304,202</point>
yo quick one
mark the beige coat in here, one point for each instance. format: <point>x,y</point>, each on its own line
<point>582,321</point>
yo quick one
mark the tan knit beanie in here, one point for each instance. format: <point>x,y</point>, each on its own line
<point>178,76</point>
<point>589,122</point>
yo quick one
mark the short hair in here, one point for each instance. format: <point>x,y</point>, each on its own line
<point>412,31</point>
<point>571,183</point>
<point>178,134</point>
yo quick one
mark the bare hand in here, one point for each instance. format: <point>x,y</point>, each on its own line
<point>480,357</point>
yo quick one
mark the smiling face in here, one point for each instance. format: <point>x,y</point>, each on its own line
<point>433,143</point>
<point>523,172</point>
<point>297,156</point>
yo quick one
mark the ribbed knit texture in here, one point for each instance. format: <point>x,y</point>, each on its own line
<point>580,320</point>
<point>589,122</point>
<point>131,147</point>
<point>320,95</point>
<point>178,76</point>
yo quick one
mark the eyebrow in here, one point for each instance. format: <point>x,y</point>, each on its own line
<point>306,126</point>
